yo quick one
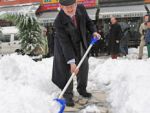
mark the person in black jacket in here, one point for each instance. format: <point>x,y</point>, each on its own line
<point>115,35</point>
<point>70,43</point>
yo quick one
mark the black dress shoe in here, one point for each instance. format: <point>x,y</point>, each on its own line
<point>69,102</point>
<point>85,94</point>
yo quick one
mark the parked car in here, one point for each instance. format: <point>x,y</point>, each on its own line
<point>9,40</point>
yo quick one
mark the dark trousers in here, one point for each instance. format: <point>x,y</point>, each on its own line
<point>124,50</point>
<point>82,79</point>
<point>148,49</point>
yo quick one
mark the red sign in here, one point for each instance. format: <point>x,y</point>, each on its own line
<point>48,7</point>
<point>89,3</point>
<point>54,6</point>
<point>147,1</point>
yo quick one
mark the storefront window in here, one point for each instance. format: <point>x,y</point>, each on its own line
<point>16,38</point>
<point>6,38</point>
<point>1,35</point>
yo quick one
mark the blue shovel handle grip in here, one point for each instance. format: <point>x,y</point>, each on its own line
<point>62,103</point>
<point>93,41</point>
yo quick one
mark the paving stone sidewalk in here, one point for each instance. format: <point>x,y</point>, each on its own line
<point>99,99</point>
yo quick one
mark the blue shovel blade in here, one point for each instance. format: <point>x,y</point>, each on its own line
<point>62,102</point>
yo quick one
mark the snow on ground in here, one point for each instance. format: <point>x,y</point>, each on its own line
<point>127,82</point>
<point>26,87</point>
<point>92,109</point>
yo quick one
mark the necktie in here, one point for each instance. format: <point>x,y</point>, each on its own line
<point>74,20</point>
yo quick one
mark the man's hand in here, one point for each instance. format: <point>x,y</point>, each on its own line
<point>97,35</point>
<point>73,69</point>
<point>117,41</point>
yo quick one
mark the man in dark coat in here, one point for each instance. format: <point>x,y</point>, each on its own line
<point>70,43</point>
<point>115,35</point>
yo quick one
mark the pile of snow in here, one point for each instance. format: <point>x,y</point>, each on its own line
<point>25,85</point>
<point>133,53</point>
<point>126,81</point>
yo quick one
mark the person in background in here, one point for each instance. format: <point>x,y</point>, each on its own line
<point>107,41</point>
<point>147,37</point>
<point>70,43</point>
<point>115,35</point>
<point>142,31</point>
<point>124,39</point>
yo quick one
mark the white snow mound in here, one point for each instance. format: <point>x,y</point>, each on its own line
<point>25,85</point>
<point>127,83</point>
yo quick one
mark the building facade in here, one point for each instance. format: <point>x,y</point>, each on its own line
<point>127,12</point>
<point>16,2</point>
<point>52,5</point>
<point>120,2</point>
<point>15,6</point>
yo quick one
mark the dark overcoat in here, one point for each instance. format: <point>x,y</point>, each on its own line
<point>65,44</point>
<point>115,34</point>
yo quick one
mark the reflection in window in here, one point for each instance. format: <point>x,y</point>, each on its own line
<point>6,38</point>
<point>16,38</point>
<point>1,35</point>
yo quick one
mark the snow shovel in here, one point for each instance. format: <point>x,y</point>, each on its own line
<point>61,101</point>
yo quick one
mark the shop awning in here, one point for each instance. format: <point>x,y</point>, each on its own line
<point>91,13</point>
<point>48,17</point>
<point>105,12</point>
<point>123,11</point>
<point>119,12</point>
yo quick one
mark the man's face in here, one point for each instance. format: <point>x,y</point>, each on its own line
<point>113,20</point>
<point>146,18</point>
<point>70,10</point>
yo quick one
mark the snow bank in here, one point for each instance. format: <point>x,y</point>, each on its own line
<point>133,53</point>
<point>25,85</point>
<point>126,81</point>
